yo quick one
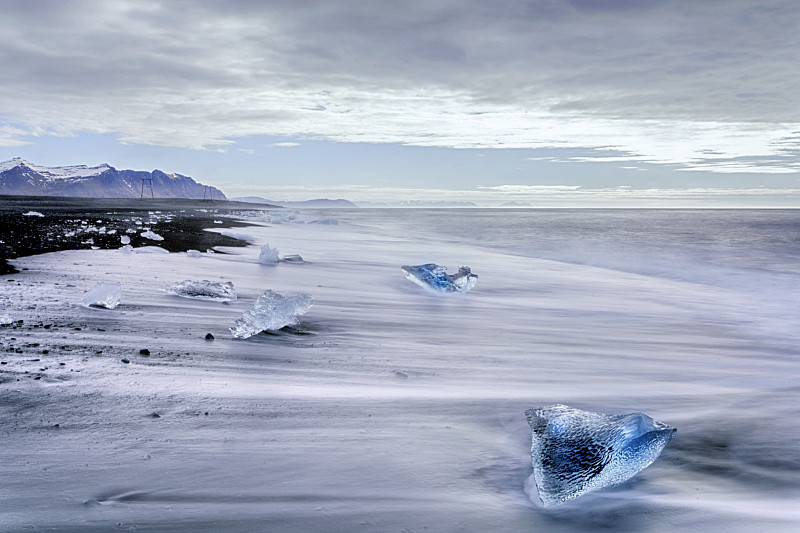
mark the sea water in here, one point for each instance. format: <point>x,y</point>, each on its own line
<point>389,408</point>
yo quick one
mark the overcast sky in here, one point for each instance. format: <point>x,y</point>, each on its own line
<point>487,101</point>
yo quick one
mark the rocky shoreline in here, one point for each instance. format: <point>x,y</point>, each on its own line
<point>37,225</point>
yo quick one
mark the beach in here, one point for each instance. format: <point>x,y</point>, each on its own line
<point>389,408</point>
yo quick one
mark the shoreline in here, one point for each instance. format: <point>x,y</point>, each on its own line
<point>33,225</point>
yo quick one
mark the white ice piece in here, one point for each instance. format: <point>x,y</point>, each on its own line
<point>125,239</point>
<point>194,253</point>
<point>220,291</point>
<point>6,320</point>
<point>105,295</point>
<point>268,256</point>
<point>574,451</point>
<point>272,311</point>
<point>149,234</point>
<point>32,214</point>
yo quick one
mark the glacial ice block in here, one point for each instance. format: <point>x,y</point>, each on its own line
<point>220,291</point>
<point>434,277</point>
<point>268,256</point>
<point>271,312</point>
<point>103,295</point>
<point>574,451</point>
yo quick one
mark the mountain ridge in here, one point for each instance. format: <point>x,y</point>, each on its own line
<point>18,177</point>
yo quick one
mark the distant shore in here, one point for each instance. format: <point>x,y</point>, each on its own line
<point>31,225</point>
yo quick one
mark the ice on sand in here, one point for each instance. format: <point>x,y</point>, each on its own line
<point>293,258</point>
<point>271,312</point>
<point>153,236</point>
<point>434,277</point>
<point>268,256</point>
<point>105,295</point>
<point>221,291</point>
<point>574,451</point>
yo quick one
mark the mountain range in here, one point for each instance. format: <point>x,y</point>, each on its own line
<point>21,178</point>
<point>319,202</point>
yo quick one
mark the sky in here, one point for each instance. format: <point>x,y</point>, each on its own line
<point>538,102</point>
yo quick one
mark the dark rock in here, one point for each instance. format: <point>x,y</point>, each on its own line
<point>209,337</point>
<point>126,361</point>
<point>144,351</point>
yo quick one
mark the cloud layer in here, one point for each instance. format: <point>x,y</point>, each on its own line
<point>702,85</point>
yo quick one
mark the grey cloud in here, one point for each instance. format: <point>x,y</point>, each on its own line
<point>716,60</point>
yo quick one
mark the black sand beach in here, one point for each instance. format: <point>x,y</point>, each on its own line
<point>55,223</point>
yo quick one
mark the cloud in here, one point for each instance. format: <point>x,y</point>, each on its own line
<point>285,144</point>
<point>702,85</point>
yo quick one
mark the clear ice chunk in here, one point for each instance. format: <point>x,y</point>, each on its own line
<point>574,451</point>
<point>434,277</point>
<point>268,256</point>
<point>292,258</point>
<point>271,312</point>
<point>220,291</point>
<point>6,320</point>
<point>153,236</point>
<point>105,295</point>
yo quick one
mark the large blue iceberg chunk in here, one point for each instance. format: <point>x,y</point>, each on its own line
<point>434,277</point>
<point>574,451</point>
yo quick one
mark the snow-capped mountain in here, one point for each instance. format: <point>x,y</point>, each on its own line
<point>19,177</point>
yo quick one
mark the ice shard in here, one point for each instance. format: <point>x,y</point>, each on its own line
<point>574,451</point>
<point>105,295</point>
<point>434,277</point>
<point>220,291</point>
<point>268,256</point>
<point>272,311</point>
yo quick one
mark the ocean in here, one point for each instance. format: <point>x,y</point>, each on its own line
<point>389,408</point>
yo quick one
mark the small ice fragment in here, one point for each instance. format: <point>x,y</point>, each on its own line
<point>105,295</point>
<point>126,249</point>
<point>6,320</point>
<point>125,239</point>
<point>271,312</point>
<point>268,256</point>
<point>149,234</point>
<point>221,291</point>
<point>194,253</point>
<point>217,222</point>
<point>326,222</point>
<point>434,277</point>
<point>574,451</point>
<point>32,214</point>
<point>292,258</point>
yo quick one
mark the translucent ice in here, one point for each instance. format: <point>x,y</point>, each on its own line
<point>434,277</point>
<point>574,451</point>
<point>6,320</point>
<point>272,311</point>
<point>292,258</point>
<point>103,295</point>
<point>152,235</point>
<point>221,291</point>
<point>268,256</point>
<point>125,239</point>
